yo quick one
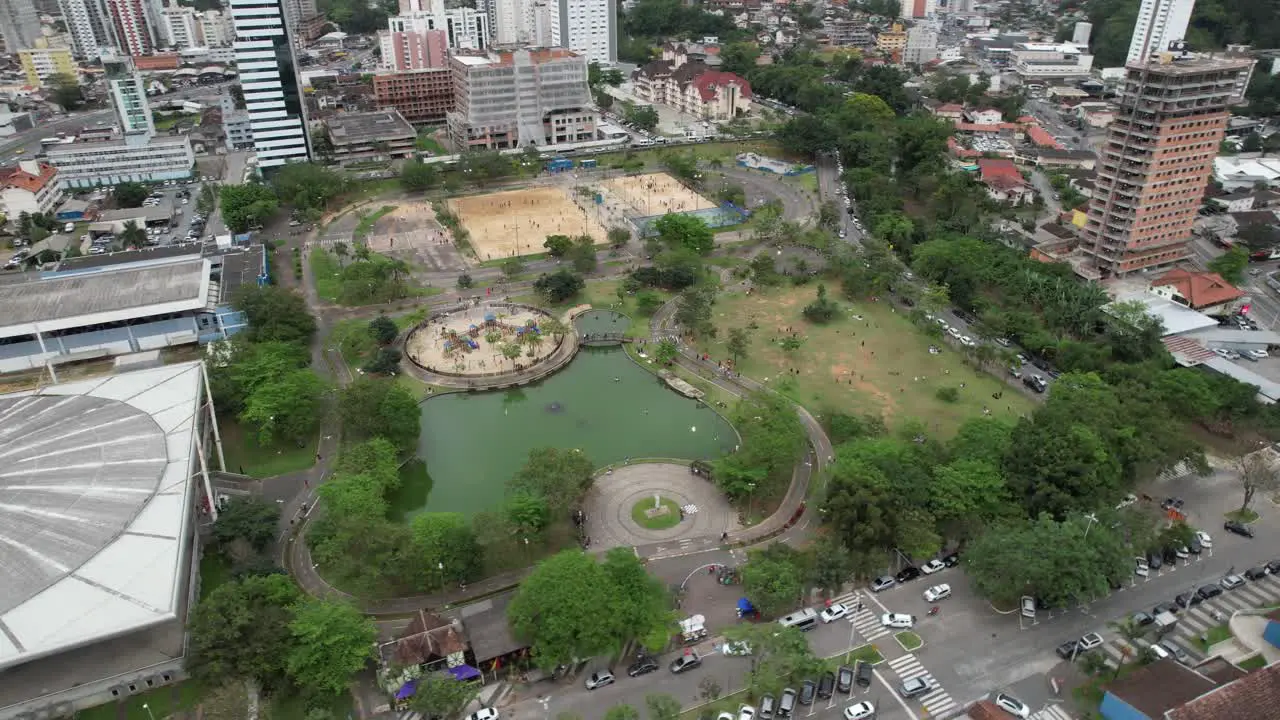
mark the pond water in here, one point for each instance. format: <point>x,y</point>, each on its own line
<point>602,322</point>
<point>601,403</point>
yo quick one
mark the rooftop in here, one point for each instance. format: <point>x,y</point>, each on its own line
<point>487,628</point>
<point>98,494</point>
<point>1193,64</point>
<point>124,257</point>
<point>368,127</point>
<point>1161,686</point>
<point>1175,318</point>
<point>19,177</point>
<point>152,213</point>
<point>1201,289</point>
<point>60,303</point>
<point>1255,696</point>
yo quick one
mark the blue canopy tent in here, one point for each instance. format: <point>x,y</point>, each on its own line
<point>745,608</point>
<point>464,672</point>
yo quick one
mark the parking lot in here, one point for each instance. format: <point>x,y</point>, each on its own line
<point>178,199</point>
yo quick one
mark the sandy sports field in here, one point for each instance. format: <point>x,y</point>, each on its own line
<point>656,194</point>
<point>517,222</point>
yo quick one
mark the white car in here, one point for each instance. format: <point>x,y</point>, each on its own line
<point>725,716</point>
<point>735,648</point>
<point>953,332</point>
<point>1257,354</point>
<point>486,713</point>
<point>900,621</point>
<point>599,679</point>
<point>968,341</point>
<point>1127,501</point>
<point>860,711</point>
<point>937,592</point>
<point>835,612</point>
<point>1205,540</point>
<point>1141,569</point>
<point>746,712</point>
<point>1013,706</point>
<point>1226,354</point>
<point>932,567</point>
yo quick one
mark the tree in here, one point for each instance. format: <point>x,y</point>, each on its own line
<point>667,351</point>
<point>693,309</point>
<point>644,117</point>
<point>739,340</point>
<point>441,695</point>
<point>618,237</point>
<point>773,579</point>
<point>685,231</point>
<point>287,409</point>
<point>648,303</point>
<point>133,236</point>
<point>67,93</point>
<point>249,519</point>
<point>373,407</point>
<point>241,631</point>
<point>275,314</point>
<point>583,254</point>
<point>244,206</point>
<point>383,330</point>
<point>386,361</point>
<point>662,706</point>
<point>130,194</point>
<point>557,607</point>
<point>831,565</point>
<point>559,286</point>
<point>512,268</point>
<point>418,176</point>
<point>559,476</point>
<point>1231,264</point>
<point>465,281</point>
<point>308,187</point>
<point>527,513</point>
<point>446,545</point>
<point>558,245</point>
<point>739,58</point>
<point>823,309</point>
<point>331,642</point>
<point>622,712</point>
<point>1256,472</point>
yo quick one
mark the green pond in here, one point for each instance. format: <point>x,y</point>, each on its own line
<point>601,403</point>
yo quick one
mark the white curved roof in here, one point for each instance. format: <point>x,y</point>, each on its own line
<point>96,494</point>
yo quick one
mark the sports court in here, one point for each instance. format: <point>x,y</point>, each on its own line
<point>655,194</point>
<point>517,222</point>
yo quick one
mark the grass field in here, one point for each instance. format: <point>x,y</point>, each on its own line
<point>247,457</point>
<point>669,519</point>
<point>327,271</point>
<point>367,221</point>
<point>879,363</point>
<point>601,294</point>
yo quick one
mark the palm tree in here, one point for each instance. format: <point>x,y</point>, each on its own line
<point>362,252</point>
<point>133,236</point>
<point>1093,664</point>
<point>552,326</point>
<point>1130,631</point>
<point>510,351</point>
<point>341,249</point>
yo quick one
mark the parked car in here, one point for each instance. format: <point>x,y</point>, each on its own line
<point>1012,705</point>
<point>937,592</point>
<point>863,674</point>
<point>1209,591</point>
<point>1090,641</point>
<point>1273,567</point>
<point>907,574</point>
<point>1256,573</point>
<point>900,621</point>
<point>834,612</point>
<point>808,689</point>
<point>484,713</point>
<point>932,567</point>
<point>860,711</point>
<point>643,665</point>
<point>685,662</point>
<point>1188,599</point>
<point>951,560</point>
<point>746,712</point>
<point>599,679</point>
<point>914,687</point>
<point>827,684</point>
<point>884,582</point>
<point>1068,650</point>
<point>1141,619</point>
<point>844,679</point>
<point>1035,382</point>
<point>1205,540</point>
<point>1239,528</point>
<point>1231,582</point>
<point>767,704</point>
<point>1176,651</point>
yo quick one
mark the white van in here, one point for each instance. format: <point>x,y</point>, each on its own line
<point>69,227</point>
<point>803,619</point>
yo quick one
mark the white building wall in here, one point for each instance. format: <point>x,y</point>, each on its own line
<point>138,158</point>
<point>1160,22</point>
<point>89,25</point>
<point>587,27</point>
<point>268,77</point>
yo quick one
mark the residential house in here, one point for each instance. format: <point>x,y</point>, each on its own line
<point>949,111</point>
<point>1256,696</point>
<point>1151,691</point>
<point>1004,182</point>
<point>1204,291</point>
<point>1238,200</point>
<point>693,87</point>
<point>984,116</point>
<point>30,187</point>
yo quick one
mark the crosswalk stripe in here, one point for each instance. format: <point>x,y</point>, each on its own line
<point>1051,712</point>
<point>1236,602</point>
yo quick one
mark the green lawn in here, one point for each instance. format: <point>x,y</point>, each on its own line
<point>909,640</point>
<point>1213,636</point>
<point>1244,516</point>
<point>162,702</point>
<point>245,456</point>
<point>353,341</point>
<point>640,514</point>
<point>866,653</point>
<point>879,363</point>
<point>293,707</point>
<point>601,294</point>
<point>214,571</point>
<point>328,275</point>
<point>367,221</point>
<point>426,143</point>
<point>1256,662</point>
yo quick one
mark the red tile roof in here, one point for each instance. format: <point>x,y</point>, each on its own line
<point>986,127</point>
<point>1201,289</point>
<point>708,81</point>
<point>986,710</point>
<point>1255,696</point>
<point>949,108</point>
<point>19,178</point>
<point>1000,172</point>
<point>1041,137</point>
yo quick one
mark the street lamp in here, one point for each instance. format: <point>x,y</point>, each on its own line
<point>148,709</point>
<point>1092,518</point>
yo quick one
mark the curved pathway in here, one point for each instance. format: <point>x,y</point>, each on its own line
<point>615,492</point>
<point>787,523</point>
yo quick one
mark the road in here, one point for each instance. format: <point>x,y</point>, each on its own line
<point>831,188</point>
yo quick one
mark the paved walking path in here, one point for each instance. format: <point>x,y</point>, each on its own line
<point>612,496</point>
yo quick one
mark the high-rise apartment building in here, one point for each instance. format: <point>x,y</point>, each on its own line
<point>1158,157</point>
<point>269,79</point>
<point>128,96</point>
<point>919,8</point>
<point>132,26</point>
<point>298,15</point>
<point>418,38</point>
<point>19,24</point>
<point>182,27</point>
<point>509,20</point>
<point>1160,22</point>
<point>520,98</point>
<point>43,64</point>
<point>421,96</point>
<point>216,29</point>
<point>587,27</point>
<point>92,30</point>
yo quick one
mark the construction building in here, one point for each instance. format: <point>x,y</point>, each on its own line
<point>421,96</point>
<point>520,98</point>
<point>44,65</point>
<point>361,137</point>
<point>1157,159</point>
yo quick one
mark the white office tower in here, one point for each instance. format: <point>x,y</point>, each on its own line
<point>540,14</point>
<point>182,27</point>
<point>269,79</point>
<point>128,96</point>
<point>216,29</point>
<point>90,26</point>
<point>1080,34</point>
<point>508,20</point>
<point>587,27</point>
<point>19,24</point>
<point>1160,22</point>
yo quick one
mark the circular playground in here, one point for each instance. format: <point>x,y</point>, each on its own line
<point>484,340</point>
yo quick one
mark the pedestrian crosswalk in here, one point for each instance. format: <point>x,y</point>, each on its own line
<point>865,621</point>
<point>1197,620</point>
<point>1051,712</point>
<point>936,701</point>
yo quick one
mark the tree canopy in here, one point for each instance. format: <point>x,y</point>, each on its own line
<point>381,408</point>
<point>275,314</point>
<point>246,205</point>
<point>332,641</point>
<point>241,631</point>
